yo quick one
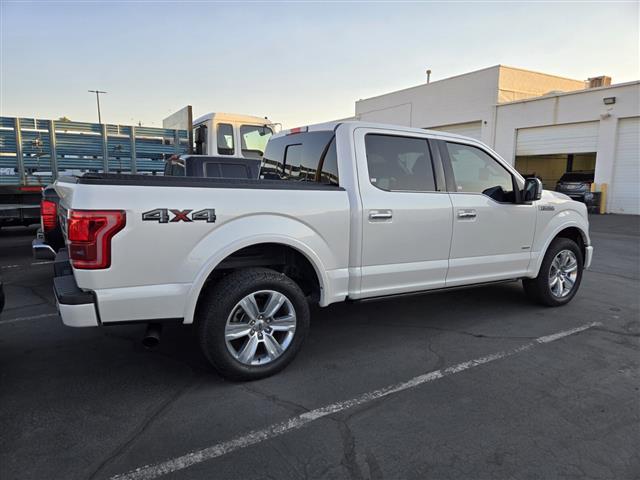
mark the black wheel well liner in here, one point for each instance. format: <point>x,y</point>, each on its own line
<point>276,256</point>
<point>575,234</point>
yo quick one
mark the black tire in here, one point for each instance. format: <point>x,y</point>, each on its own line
<point>221,301</point>
<point>538,289</point>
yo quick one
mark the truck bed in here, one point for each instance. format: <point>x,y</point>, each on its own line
<point>194,182</point>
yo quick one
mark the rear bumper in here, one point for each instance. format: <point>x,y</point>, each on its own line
<point>588,256</point>
<point>76,307</point>
<point>41,249</point>
<point>141,304</point>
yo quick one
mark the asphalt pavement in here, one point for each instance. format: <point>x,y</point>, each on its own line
<point>469,384</point>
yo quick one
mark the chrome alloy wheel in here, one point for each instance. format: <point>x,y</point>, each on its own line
<point>260,327</point>
<point>563,273</point>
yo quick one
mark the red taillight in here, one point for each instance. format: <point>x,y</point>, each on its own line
<point>90,233</point>
<point>31,188</point>
<point>48,212</point>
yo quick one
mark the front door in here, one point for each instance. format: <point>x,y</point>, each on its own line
<point>406,221</point>
<point>492,233</point>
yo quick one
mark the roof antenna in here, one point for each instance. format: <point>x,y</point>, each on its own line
<point>428,75</point>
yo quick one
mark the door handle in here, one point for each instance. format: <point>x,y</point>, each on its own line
<point>380,215</point>
<point>467,214</point>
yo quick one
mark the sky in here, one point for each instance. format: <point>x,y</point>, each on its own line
<point>297,63</point>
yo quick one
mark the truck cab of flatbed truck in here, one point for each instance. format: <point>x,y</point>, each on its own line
<point>231,135</point>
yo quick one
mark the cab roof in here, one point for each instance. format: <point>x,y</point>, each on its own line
<point>361,124</point>
<point>232,117</point>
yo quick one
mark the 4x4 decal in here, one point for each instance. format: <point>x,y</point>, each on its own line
<point>162,215</point>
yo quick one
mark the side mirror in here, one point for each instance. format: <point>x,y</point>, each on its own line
<point>532,189</point>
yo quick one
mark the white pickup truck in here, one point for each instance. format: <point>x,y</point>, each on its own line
<point>344,211</point>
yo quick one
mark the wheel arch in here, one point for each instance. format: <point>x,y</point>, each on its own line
<point>267,251</point>
<point>575,228</point>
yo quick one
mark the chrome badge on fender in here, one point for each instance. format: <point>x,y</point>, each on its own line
<point>161,215</point>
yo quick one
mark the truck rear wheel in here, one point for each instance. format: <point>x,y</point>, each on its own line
<point>560,274</point>
<point>253,323</point>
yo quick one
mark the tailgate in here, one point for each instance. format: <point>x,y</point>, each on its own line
<point>65,189</point>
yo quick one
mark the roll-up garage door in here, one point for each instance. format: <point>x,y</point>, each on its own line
<point>568,138</point>
<point>469,129</point>
<point>624,194</point>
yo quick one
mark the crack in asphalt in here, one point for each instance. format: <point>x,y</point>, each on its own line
<point>158,413</point>
<point>482,335</point>
<point>625,277</point>
<point>449,330</point>
<point>349,459</point>
<point>375,472</point>
<point>439,358</point>
<point>617,332</point>
<point>286,404</point>
<point>294,465</point>
<point>34,292</point>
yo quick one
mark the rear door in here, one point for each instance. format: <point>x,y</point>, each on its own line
<point>407,214</point>
<point>492,231</point>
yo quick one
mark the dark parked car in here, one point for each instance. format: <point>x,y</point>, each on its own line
<point>577,185</point>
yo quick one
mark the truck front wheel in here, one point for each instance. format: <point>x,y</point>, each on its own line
<point>560,274</point>
<point>252,323</point>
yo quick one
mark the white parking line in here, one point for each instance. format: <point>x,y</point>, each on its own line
<point>24,319</point>
<point>192,458</point>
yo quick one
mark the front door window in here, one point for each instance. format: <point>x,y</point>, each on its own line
<point>475,171</point>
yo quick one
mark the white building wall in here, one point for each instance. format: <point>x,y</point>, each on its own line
<point>583,106</point>
<point>478,97</point>
<point>625,193</point>
<point>462,99</point>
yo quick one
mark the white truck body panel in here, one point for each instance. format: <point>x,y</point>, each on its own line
<point>158,270</point>
<point>393,257</point>
<point>176,265</point>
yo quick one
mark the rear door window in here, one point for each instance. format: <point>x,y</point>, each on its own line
<point>399,163</point>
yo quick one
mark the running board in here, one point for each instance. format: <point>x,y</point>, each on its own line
<point>424,292</point>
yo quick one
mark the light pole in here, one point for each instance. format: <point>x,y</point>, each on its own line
<point>98,92</point>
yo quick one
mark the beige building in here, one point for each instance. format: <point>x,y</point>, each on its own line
<point>544,124</point>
